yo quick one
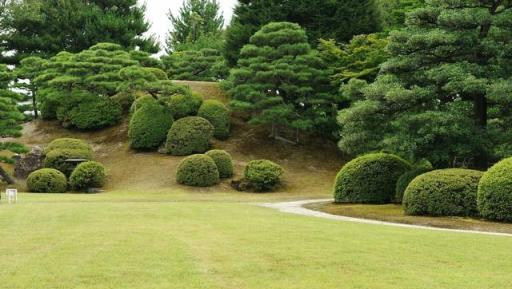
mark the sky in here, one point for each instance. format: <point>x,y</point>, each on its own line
<point>157,10</point>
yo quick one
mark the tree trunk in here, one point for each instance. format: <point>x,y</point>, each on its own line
<point>481,110</point>
<point>5,176</point>
<point>34,104</point>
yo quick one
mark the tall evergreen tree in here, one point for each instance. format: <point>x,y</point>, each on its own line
<point>328,19</point>
<point>196,19</point>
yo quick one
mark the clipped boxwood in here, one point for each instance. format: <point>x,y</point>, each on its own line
<point>495,192</point>
<point>87,175</point>
<point>183,105</point>
<point>142,101</point>
<point>149,126</point>
<point>405,179</point>
<point>198,171</point>
<point>369,179</point>
<point>218,115</point>
<point>448,192</point>
<point>56,159</point>
<point>68,143</point>
<point>189,135</point>
<point>223,161</point>
<point>47,181</point>
<point>263,175</point>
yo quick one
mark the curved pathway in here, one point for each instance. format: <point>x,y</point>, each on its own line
<point>297,207</point>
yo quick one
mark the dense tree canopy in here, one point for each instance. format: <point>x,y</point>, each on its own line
<point>393,11</point>
<point>204,65</point>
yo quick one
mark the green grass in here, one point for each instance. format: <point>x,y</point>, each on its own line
<point>62,241</point>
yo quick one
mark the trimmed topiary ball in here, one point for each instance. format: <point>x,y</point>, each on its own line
<point>223,161</point>
<point>449,192</point>
<point>68,143</point>
<point>87,175</point>
<point>369,179</point>
<point>405,179</point>
<point>149,126</point>
<point>47,181</point>
<point>56,159</point>
<point>263,175</point>
<point>218,115</point>
<point>142,101</point>
<point>197,171</point>
<point>189,135</point>
<point>495,192</point>
<point>183,105</point>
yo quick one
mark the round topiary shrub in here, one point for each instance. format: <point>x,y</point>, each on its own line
<point>56,159</point>
<point>218,115</point>
<point>495,192</point>
<point>405,179</point>
<point>369,179</point>
<point>197,171</point>
<point>142,101</point>
<point>68,143</point>
<point>223,161</point>
<point>47,181</point>
<point>263,175</point>
<point>149,126</point>
<point>183,105</point>
<point>189,135</point>
<point>448,192</point>
<point>87,175</point>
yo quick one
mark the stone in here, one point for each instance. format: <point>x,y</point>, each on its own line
<point>28,163</point>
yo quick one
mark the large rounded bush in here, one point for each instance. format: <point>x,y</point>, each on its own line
<point>369,179</point>
<point>47,181</point>
<point>149,126</point>
<point>218,115</point>
<point>68,143</point>
<point>495,192</point>
<point>449,192</point>
<point>56,159</point>
<point>223,161</point>
<point>142,101</point>
<point>87,175</point>
<point>189,135</point>
<point>263,175</point>
<point>183,105</point>
<point>405,179</point>
<point>197,171</point>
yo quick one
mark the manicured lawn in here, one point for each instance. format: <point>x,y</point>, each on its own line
<point>117,240</point>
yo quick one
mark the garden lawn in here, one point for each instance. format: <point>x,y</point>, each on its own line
<point>106,241</point>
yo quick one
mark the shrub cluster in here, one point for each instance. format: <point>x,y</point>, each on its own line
<point>224,162</point>
<point>56,159</point>
<point>87,175</point>
<point>218,115</point>
<point>263,175</point>
<point>47,181</point>
<point>189,135</point>
<point>448,192</point>
<point>370,178</point>
<point>495,192</point>
<point>198,171</point>
<point>149,126</point>
<point>405,179</point>
<point>68,143</point>
<point>183,105</point>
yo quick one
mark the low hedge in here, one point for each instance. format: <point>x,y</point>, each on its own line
<point>369,179</point>
<point>68,143</point>
<point>263,175</point>
<point>183,105</point>
<point>198,171</point>
<point>448,192</point>
<point>87,175</point>
<point>149,126</point>
<point>47,181</point>
<point>223,161</point>
<point>218,115</point>
<point>495,192</point>
<point>56,159</point>
<point>189,135</point>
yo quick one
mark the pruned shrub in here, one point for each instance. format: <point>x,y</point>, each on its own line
<point>223,161</point>
<point>142,101</point>
<point>495,192</point>
<point>47,181</point>
<point>56,159</point>
<point>149,126</point>
<point>218,115</point>
<point>87,175</point>
<point>263,175</point>
<point>68,143</point>
<point>369,179</point>
<point>197,171</point>
<point>448,192</point>
<point>183,105</point>
<point>406,178</point>
<point>189,135</point>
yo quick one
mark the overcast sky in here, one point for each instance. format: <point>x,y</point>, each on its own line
<point>157,14</point>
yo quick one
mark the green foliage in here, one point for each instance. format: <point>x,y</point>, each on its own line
<point>56,159</point>
<point>189,135</point>
<point>369,179</point>
<point>393,12</point>
<point>405,179</point>
<point>200,65</point>
<point>218,115</point>
<point>47,181</point>
<point>184,104</point>
<point>224,162</point>
<point>449,192</point>
<point>149,126</point>
<point>281,81</point>
<point>87,175</point>
<point>68,144</point>
<point>495,192</point>
<point>263,175</point>
<point>141,101</point>
<point>197,171</point>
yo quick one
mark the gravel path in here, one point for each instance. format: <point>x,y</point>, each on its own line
<point>297,207</point>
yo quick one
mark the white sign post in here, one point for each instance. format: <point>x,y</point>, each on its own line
<point>12,195</point>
